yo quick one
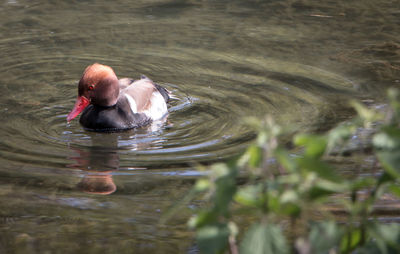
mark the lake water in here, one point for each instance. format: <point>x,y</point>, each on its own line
<point>66,190</point>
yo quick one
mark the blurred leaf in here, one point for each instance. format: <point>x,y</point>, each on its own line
<point>223,196</point>
<point>250,195</point>
<point>388,138</point>
<point>252,157</point>
<point>314,145</point>
<point>394,99</point>
<point>255,155</point>
<point>390,160</point>
<point>202,219</point>
<point>264,239</point>
<point>291,209</point>
<point>325,237</point>
<point>322,169</point>
<point>289,196</point>
<point>273,201</point>
<point>285,160</point>
<point>233,229</point>
<point>384,238</point>
<point>394,96</point>
<point>307,181</point>
<point>262,138</point>
<point>361,183</point>
<point>336,186</point>
<point>365,113</point>
<point>318,193</point>
<point>385,178</point>
<point>350,240</point>
<point>339,134</point>
<point>395,189</point>
<point>202,185</point>
<point>213,238</point>
<point>220,170</point>
<point>243,160</point>
<point>289,203</point>
<point>225,187</point>
<point>370,248</point>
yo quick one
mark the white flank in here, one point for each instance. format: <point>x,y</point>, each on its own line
<point>158,107</point>
<point>132,103</point>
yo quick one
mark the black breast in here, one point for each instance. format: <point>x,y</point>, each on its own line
<point>115,118</point>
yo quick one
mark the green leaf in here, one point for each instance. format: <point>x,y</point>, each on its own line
<point>223,196</point>
<point>289,196</point>
<point>394,99</point>
<point>289,203</point>
<point>361,183</point>
<point>384,238</point>
<point>202,219</point>
<point>336,186</point>
<point>219,170</point>
<point>291,209</point>
<point>250,196</point>
<point>263,137</point>
<point>365,113</point>
<point>325,237</point>
<point>202,185</point>
<point>384,178</point>
<point>255,155</point>
<point>316,193</point>
<point>213,238</point>
<point>225,187</point>
<point>274,202</point>
<point>390,161</point>
<point>252,157</point>
<point>388,138</point>
<point>283,157</point>
<point>322,169</point>
<point>341,133</point>
<point>395,189</point>
<point>315,145</point>
<point>264,238</point>
<point>351,240</point>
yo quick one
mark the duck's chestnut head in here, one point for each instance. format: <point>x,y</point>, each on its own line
<point>98,86</point>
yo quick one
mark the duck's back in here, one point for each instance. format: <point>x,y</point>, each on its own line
<point>147,97</point>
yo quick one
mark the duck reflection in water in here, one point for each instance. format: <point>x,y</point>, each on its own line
<point>99,160</point>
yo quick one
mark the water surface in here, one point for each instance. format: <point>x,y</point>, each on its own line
<point>63,189</point>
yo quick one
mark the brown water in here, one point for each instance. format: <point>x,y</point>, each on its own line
<point>299,61</point>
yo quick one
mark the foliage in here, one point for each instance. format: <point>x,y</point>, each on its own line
<point>290,192</point>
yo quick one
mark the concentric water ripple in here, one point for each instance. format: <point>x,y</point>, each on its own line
<point>298,61</point>
<point>206,120</point>
<point>216,88</point>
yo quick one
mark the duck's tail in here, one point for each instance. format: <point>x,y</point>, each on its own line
<point>166,94</point>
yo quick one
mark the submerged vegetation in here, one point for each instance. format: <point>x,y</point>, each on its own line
<point>297,199</point>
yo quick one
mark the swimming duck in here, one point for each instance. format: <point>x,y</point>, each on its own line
<point>109,104</point>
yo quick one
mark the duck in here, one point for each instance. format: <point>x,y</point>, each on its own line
<point>110,104</point>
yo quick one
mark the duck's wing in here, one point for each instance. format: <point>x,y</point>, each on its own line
<point>139,94</point>
<point>125,82</point>
<point>166,94</point>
